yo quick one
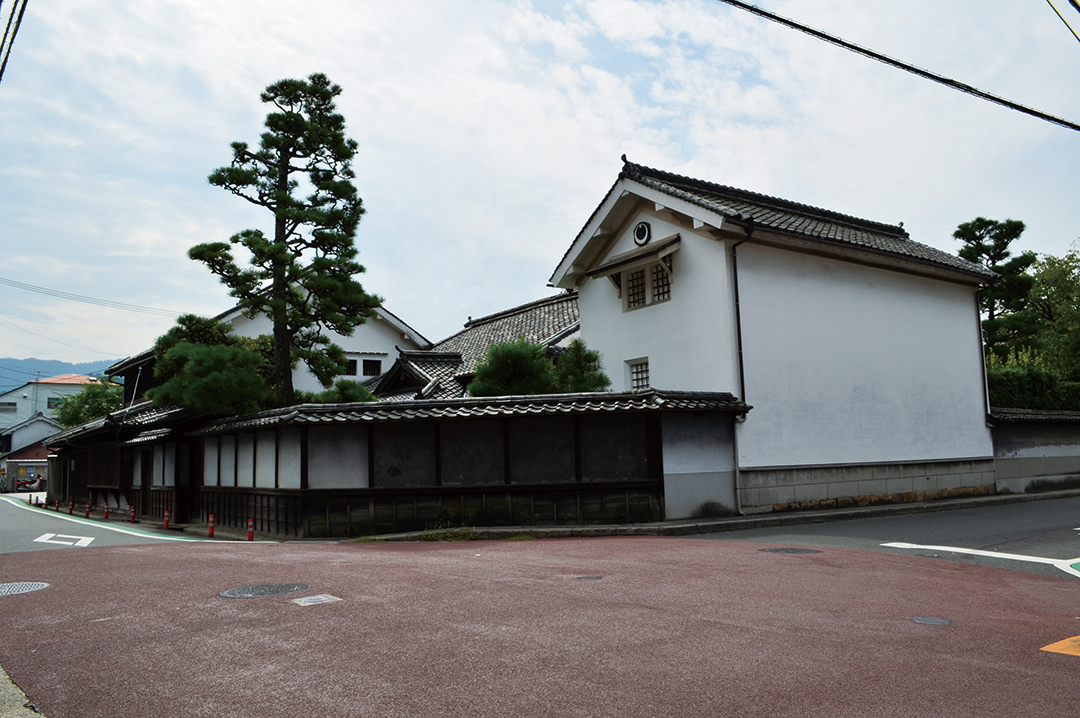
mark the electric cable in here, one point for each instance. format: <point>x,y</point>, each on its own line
<point>7,43</point>
<point>1063,20</point>
<point>975,92</point>
<point>90,300</point>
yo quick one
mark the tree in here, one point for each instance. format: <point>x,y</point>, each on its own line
<point>97,399</point>
<point>524,368</point>
<point>1054,303</point>
<point>302,276</point>
<point>202,366</point>
<point>514,368</point>
<point>1007,325</point>
<point>579,369</point>
<point>344,391</point>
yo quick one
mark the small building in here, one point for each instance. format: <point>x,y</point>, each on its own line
<point>23,454</point>
<point>859,348</point>
<point>40,396</point>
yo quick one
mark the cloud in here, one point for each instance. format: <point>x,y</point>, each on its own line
<point>489,131</point>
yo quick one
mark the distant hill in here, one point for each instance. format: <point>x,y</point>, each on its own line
<point>16,372</point>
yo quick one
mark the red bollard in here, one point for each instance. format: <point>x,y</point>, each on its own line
<point>211,534</point>
<point>87,509</point>
<point>58,506</point>
<point>251,529</point>
<point>71,507</point>
<point>166,519</point>
<point>106,510</point>
<point>132,514</point>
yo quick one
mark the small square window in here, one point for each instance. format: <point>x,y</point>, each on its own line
<point>351,369</point>
<point>661,283</point>
<point>372,367</point>
<point>53,401</point>
<point>635,289</point>
<point>639,375</point>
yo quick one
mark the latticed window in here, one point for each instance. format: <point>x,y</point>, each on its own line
<point>661,283</point>
<point>639,375</point>
<point>635,289</point>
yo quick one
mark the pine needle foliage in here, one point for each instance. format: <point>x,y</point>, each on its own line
<point>301,275</point>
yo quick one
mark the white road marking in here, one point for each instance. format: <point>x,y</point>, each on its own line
<point>59,539</point>
<point>1066,565</point>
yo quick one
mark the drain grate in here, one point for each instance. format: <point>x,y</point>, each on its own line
<point>589,578</point>
<point>789,550</point>
<point>264,590</point>
<point>11,589</point>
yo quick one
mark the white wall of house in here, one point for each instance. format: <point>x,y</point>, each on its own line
<point>20,404</point>
<point>846,363</point>
<point>688,340</point>
<point>374,340</point>
<point>32,432</point>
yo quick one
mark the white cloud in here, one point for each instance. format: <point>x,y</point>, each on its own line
<point>490,130</point>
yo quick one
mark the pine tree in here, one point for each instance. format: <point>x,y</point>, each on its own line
<point>579,369</point>
<point>302,276</point>
<point>1008,325</point>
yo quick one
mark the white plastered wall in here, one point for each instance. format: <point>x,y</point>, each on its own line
<point>687,339</point>
<point>374,339</point>
<point>846,363</point>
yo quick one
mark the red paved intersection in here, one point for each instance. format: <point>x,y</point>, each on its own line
<point>573,627</point>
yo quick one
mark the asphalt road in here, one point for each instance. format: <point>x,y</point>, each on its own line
<point>627,627</point>
<point>1038,529</point>
<point>24,528</point>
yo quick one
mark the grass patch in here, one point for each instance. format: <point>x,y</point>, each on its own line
<point>450,533</point>
<point>519,537</point>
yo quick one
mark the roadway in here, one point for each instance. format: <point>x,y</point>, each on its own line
<point>781,625</point>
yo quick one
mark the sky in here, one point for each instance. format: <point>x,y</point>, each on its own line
<point>489,130</point>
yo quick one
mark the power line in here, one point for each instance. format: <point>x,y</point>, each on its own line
<point>90,300</point>
<point>6,42</point>
<point>57,341</point>
<point>1063,19</point>
<point>903,65</point>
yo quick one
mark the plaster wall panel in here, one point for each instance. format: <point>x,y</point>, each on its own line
<point>847,363</point>
<point>337,457</point>
<point>227,462</point>
<point>687,339</point>
<point>245,460</point>
<point>289,458</point>
<point>265,460</point>
<point>210,461</point>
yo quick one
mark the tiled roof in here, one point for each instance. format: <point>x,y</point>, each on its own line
<point>141,416</point>
<point>66,379</point>
<point>1034,416</point>
<point>545,322</point>
<point>792,218</point>
<point>548,404</point>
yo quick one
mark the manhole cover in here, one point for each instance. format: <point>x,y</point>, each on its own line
<point>929,621</point>
<point>10,589</point>
<point>264,590</point>
<point>789,550</point>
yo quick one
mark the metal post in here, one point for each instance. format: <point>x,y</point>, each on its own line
<point>131,515</point>
<point>166,519</point>
<point>251,529</point>
<point>211,526</point>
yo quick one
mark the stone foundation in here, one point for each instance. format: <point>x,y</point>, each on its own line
<point>808,487</point>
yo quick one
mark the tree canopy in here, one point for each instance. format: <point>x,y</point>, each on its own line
<point>302,275</point>
<point>201,365</point>
<point>1007,326</point>
<point>524,368</point>
<point>95,400</point>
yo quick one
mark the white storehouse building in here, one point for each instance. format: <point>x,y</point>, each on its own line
<point>858,348</point>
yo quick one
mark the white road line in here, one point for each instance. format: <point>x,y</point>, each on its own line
<point>90,522</point>
<point>59,539</point>
<point>1065,565</point>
